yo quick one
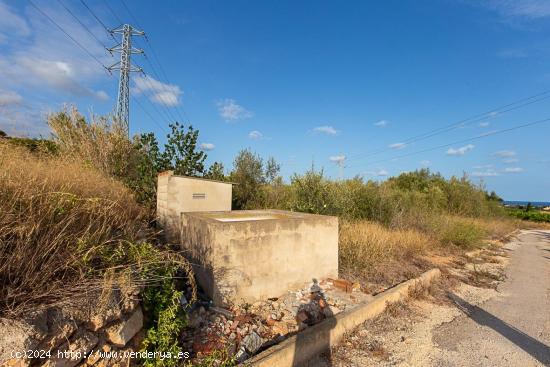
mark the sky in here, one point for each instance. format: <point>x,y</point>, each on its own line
<point>354,88</point>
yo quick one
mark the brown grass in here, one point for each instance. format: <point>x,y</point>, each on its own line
<point>372,252</point>
<point>63,228</point>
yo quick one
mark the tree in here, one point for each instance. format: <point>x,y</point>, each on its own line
<point>215,172</point>
<point>180,152</point>
<point>3,134</point>
<point>148,163</point>
<point>248,174</point>
<point>272,170</point>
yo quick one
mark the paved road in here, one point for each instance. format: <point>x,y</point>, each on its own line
<point>512,329</point>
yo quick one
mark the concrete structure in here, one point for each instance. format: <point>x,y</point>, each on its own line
<point>244,256</point>
<point>179,194</point>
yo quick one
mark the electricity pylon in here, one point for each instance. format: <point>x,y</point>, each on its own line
<point>125,66</point>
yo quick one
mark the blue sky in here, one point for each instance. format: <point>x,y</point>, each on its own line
<point>311,81</point>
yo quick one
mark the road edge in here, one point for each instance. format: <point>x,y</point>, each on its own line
<point>318,338</point>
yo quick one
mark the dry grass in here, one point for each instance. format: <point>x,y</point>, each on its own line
<point>63,228</point>
<point>101,144</point>
<point>370,251</point>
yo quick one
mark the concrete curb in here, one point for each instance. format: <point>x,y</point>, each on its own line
<point>300,348</point>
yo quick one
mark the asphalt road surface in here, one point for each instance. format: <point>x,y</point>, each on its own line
<point>513,328</point>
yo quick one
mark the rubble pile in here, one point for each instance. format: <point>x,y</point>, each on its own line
<point>246,329</point>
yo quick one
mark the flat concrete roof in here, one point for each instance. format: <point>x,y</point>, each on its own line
<point>171,173</point>
<point>236,216</point>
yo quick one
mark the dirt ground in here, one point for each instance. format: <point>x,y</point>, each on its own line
<point>492,310</point>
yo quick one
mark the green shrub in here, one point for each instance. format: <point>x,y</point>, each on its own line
<point>167,320</point>
<point>462,233</point>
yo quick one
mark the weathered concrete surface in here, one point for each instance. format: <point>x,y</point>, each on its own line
<point>299,349</point>
<point>244,259</point>
<point>513,329</point>
<point>178,194</point>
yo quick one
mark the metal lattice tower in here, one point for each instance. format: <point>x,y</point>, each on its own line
<point>122,111</point>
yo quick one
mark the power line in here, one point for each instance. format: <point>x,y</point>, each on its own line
<point>153,52</point>
<point>82,24</point>
<point>98,20</point>
<point>112,12</point>
<point>464,122</point>
<point>148,114</point>
<point>91,55</point>
<point>459,141</point>
<point>134,19</point>
<point>67,34</point>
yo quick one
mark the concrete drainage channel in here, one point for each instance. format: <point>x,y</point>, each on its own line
<point>313,341</point>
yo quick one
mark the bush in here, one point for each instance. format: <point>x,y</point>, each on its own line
<point>461,232</point>
<point>74,227</point>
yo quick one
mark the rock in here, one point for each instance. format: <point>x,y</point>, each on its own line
<point>120,333</point>
<point>280,328</point>
<point>241,355</point>
<point>234,325</point>
<point>107,316</point>
<point>222,311</point>
<point>71,353</point>
<point>60,331</point>
<point>16,363</point>
<point>302,316</point>
<point>315,288</point>
<point>18,336</point>
<point>363,333</point>
<point>252,342</point>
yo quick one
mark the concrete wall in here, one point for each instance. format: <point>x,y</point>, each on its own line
<point>257,259</point>
<point>179,194</point>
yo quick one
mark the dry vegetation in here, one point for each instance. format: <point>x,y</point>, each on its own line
<point>375,254</point>
<point>64,229</point>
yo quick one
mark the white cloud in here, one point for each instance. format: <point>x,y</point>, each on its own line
<point>425,163</point>
<point>39,56</point>
<point>255,135</point>
<point>229,110</point>
<point>513,170</point>
<point>9,98</point>
<point>380,173</point>
<point>512,53</point>
<point>460,151</point>
<point>12,22</point>
<point>504,153</point>
<point>207,146</point>
<point>328,130</point>
<point>381,123</point>
<point>338,159</point>
<point>529,9</point>
<point>487,173</point>
<point>484,124</point>
<point>483,166</point>
<point>102,95</point>
<point>160,93</point>
<point>510,160</point>
<point>397,145</point>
